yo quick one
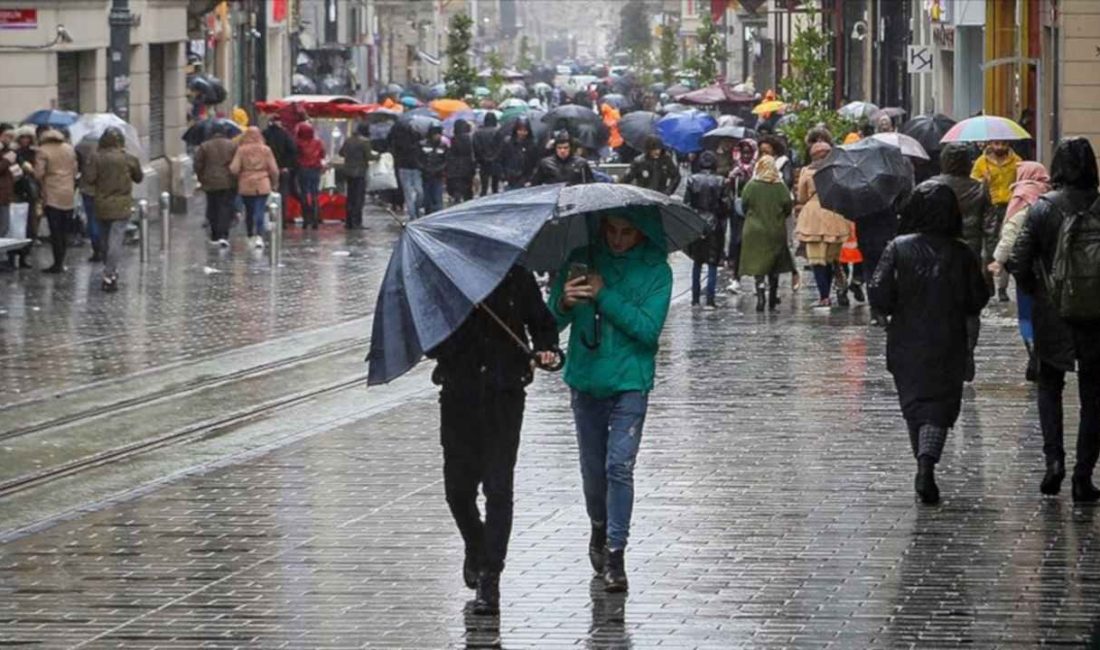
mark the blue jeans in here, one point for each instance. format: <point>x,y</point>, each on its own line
<point>609,432</point>
<point>309,181</point>
<point>88,201</point>
<point>254,207</point>
<point>712,281</point>
<point>412,186</point>
<point>433,194</point>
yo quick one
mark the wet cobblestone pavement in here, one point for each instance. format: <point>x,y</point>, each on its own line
<point>774,509</point>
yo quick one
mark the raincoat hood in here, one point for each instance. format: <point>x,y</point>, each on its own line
<point>955,159</point>
<point>252,135</point>
<point>515,125</point>
<point>931,209</point>
<point>304,131</point>
<point>240,117</point>
<point>491,119</point>
<point>652,249</point>
<point>111,139</point>
<point>50,135</point>
<point>462,127</point>
<point>1074,165</point>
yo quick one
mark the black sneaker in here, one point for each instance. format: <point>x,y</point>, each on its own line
<point>470,570</point>
<point>110,285</point>
<point>487,602</point>
<point>615,578</point>
<point>857,292</point>
<point>1084,491</point>
<point>597,549</point>
<point>1002,295</point>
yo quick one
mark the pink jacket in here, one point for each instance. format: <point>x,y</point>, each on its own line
<point>254,165</point>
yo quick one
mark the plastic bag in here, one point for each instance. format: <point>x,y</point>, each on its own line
<point>381,175</point>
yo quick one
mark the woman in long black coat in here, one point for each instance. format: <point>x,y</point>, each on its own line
<point>460,164</point>
<point>928,282</point>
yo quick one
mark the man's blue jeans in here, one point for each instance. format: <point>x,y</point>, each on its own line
<point>609,432</point>
<point>433,194</point>
<point>412,187</point>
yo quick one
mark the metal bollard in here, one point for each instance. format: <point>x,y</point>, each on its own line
<point>143,225</point>
<point>275,226</point>
<point>165,224</point>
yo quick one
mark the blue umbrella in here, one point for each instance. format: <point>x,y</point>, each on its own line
<point>445,264</point>
<point>683,132</point>
<point>52,118</point>
<point>437,91</point>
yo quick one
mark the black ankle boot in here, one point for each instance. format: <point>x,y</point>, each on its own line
<point>842,299</point>
<point>487,602</point>
<point>597,549</point>
<point>760,300</point>
<point>773,298</point>
<point>1052,481</point>
<point>615,578</point>
<point>471,566</point>
<point>1084,491</point>
<point>925,482</point>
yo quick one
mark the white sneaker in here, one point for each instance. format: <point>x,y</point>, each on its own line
<point>258,241</point>
<point>214,243</point>
<point>734,287</point>
<point>224,243</point>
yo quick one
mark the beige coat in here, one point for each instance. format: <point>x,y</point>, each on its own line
<point>56,168</point>
<point>254,165</point>
<point>815,223</point>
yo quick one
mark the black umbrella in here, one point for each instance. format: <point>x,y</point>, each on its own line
<point>210,89</point>
<point>394,89</point>
<point>200,132</point>
<point>570,115</point>
<point>673,107</point>
<point>735,133</point>
<point>676,90</point>
<point>420,121</point>
<point>860,179</point>
<point>534,117</point>
<point>634,127</point>
<point>927,130</point>
<point>591,136</point>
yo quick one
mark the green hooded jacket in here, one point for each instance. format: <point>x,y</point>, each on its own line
<point>634,303</point>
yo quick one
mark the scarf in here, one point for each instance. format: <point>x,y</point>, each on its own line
<point>766,171</point>
<point>1032,182</point>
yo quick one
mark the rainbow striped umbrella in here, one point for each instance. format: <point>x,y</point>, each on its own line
<point>986,128</point>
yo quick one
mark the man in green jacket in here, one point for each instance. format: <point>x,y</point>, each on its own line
<point>615,295</point>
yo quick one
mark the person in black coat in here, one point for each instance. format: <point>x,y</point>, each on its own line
<point>563,166</point>
<point>285,151</point>
<point>433,165</point>
<point>928,282</point>
<point>711,196</point>
<point>520,155</point>
<point>409,160</point>
<point>1061,347</point>
<point>357,154</point>
<point>488,143</point>
<point>655,169</point>
<point>460,164</point>
<point>482,374</point>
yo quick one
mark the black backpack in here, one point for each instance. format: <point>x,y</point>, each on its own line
<point>1074,281</point>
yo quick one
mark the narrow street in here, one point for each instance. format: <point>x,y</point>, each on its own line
<point>774,502</point>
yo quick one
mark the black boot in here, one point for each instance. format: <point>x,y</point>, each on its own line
<point>487,602</point>
<point>925,483</point>
<point>597,548</point>
<point>842,299</point>
<point>857,292</point>
<point>471,566</point>
<point>1052,481</point>
<point>760,301</point>
<point>615,578</point>
<point>773,297</point>
<point>1084,491</point>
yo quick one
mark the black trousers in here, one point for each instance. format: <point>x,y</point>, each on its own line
<point>480,437</point>
<point>1052,382</point>
<point>60,230</point>
<point>219,213</point>
<point>490,177</point>
<point>357,194</point>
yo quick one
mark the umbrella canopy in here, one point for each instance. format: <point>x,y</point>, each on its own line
<point>448,262</point>
<point>674,107</point>
<point>909,146</point>
<point>683,132</point>
<point>515,111</point>
<point>539,128</point>
<point>446,107</point>
<point>985,128</point>
<point>200,132</point>
<point>857,110</point>
<point>515,90</point>
<point>482,91</point>
<point>735,133</point>
<point>591,136</point>
<point>890,112</point>
<point>928,130</point>
<point>772,106</point>
<point>394,89</point>
<point>730,120</point>
<point>542,87</point>
<point>634,127</point>
<point>860,179</point>
<point>90,126</point>
<point>420,121</point>
<point>449,124</point>
<point>410,101</point>
<point>513,102</point>
<point>570,115</point>
<point>715,94</point>
<point>657,87</point>
<point>675,90</point>
<point>615,99</point>
<point>480,113</point>
<point>437,91</point>
<point>52,118</point>
<point>383,115</point>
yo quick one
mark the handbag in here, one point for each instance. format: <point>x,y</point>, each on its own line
<point>381,175</point>
<point>18,213</point>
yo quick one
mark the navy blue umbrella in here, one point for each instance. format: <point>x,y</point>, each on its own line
<point>445,264</point>
<point>52,118</point>
<point>683,132</point>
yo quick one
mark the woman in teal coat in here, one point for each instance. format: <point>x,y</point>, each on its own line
<point>767,203</point>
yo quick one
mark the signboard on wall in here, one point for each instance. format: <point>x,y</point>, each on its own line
<point>920,59</point>
<point>276,12</point>
<point>18,19</point>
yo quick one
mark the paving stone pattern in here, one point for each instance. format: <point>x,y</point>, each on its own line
<point>774,509</point>
<point>62,331</point>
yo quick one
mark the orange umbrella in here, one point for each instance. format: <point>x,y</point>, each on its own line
<point>447,107</point>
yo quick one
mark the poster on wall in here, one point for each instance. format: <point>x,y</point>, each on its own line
<point>18,19</point>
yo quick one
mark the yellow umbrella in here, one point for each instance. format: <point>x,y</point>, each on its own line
<point>764,108</point>
<point>447,107</point>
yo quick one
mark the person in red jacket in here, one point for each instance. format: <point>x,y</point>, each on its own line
<point>311,162</point>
